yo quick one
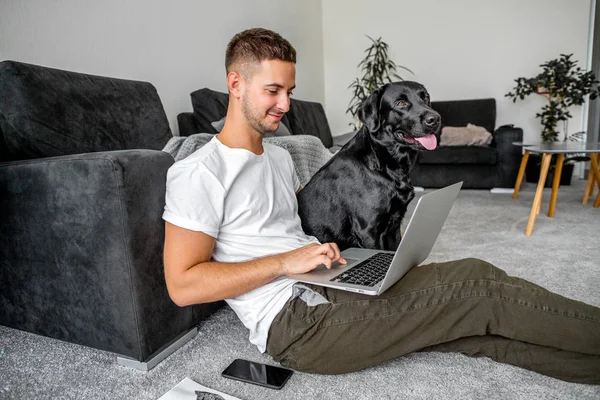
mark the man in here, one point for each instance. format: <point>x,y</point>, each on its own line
<point>233,233</point>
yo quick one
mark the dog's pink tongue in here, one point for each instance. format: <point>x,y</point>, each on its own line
<point>429,141</point>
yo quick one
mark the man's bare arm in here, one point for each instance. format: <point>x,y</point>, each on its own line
<point>192,278</point>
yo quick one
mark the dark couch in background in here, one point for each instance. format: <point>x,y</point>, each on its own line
<point>82,191</point>
<point>479,167</point>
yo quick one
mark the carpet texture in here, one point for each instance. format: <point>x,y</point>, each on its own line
<point>563,255</point>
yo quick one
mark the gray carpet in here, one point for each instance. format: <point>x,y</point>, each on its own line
<point>563,255</point>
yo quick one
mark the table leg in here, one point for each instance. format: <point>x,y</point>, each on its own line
<point>589,186</point>
<point>537,200</point>
<point>596,171</point>
<point>555,184</point>
<point>521,173</point>
<point>591,181</point>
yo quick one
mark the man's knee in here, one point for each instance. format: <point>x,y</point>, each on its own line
<point>468,269</point>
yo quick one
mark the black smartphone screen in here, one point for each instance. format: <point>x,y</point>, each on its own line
<point>257,373</point>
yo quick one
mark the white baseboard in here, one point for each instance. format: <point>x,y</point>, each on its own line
<point>502,190</point>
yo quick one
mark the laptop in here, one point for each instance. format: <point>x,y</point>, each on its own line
<point>372,272</point>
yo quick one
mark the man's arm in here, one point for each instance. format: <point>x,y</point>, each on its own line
<point>192,278</point>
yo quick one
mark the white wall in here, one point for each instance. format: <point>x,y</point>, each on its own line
<point>459,49</point>
<point>179,46</point>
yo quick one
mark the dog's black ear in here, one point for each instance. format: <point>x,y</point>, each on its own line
<point>368,111</point>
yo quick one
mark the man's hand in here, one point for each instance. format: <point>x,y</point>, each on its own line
<point>309,257</point>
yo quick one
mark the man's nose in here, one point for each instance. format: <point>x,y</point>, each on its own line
<point>283,103</point>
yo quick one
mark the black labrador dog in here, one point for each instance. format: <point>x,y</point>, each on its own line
<point>359,198</point>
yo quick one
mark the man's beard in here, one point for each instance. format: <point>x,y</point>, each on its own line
<point>255,119</point>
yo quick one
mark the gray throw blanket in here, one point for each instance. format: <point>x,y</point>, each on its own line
<point>308,152</point>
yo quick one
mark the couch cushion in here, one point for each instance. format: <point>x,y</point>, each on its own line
<point>48,112</point>
<point>460,155</point>
<point>308,118</point>
<point>481,112</point>
<point>210,106</point>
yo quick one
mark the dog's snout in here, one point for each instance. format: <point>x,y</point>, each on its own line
<point>432,119</point>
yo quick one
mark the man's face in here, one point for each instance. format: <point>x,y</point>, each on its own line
<point>266,94</point>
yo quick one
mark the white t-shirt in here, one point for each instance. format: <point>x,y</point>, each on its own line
<point>247,202</point>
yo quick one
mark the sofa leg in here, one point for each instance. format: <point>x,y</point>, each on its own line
<point>160,354</point>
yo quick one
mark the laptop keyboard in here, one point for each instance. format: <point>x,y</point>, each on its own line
<point>369,272</point>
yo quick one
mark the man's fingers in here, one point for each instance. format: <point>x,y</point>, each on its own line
<point>323,259</point>
<point>338,254</point>
<point>326,249</point>
<point>333,252</point>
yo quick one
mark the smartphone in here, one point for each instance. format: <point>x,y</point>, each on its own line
<point>257,373</point>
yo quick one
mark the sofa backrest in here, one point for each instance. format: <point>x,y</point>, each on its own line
<point>303,118</point>
<point>481,112</point>
<point>308,118</point>
<point>48,112</point>
<point>208,106</point>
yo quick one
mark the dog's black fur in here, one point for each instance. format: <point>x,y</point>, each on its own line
<point>359,198</point>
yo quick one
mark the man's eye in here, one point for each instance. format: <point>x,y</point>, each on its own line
<point>401,103</point>
<point>272,91</point>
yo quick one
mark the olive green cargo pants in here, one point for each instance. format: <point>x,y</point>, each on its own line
<point>467,306</point>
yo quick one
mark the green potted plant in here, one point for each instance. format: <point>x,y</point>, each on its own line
<point>564,85</point>
<point>377,69</point>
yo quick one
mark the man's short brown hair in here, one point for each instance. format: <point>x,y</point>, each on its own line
<point>255,45</point>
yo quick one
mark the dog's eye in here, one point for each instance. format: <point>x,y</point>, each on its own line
<point>401,103</point>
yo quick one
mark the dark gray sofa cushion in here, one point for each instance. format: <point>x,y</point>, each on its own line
<point>208,106</point>
<point>460,155</point>
<point>473,176</point>
<point>481,112</point>
<point>308,118</point>
<point>31,93</point>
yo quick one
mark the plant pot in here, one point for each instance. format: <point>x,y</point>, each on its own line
<point>532,172</point>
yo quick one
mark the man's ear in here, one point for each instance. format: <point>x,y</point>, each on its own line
<point>368,111</point>
<point>234,81</point>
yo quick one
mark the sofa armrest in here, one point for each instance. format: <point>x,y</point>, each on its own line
<point>187,124</point>
<point>509,155</point>
<point>81,239</point>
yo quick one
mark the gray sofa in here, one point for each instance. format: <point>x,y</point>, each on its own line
<point>479,167</point>
<point>82,191</point>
